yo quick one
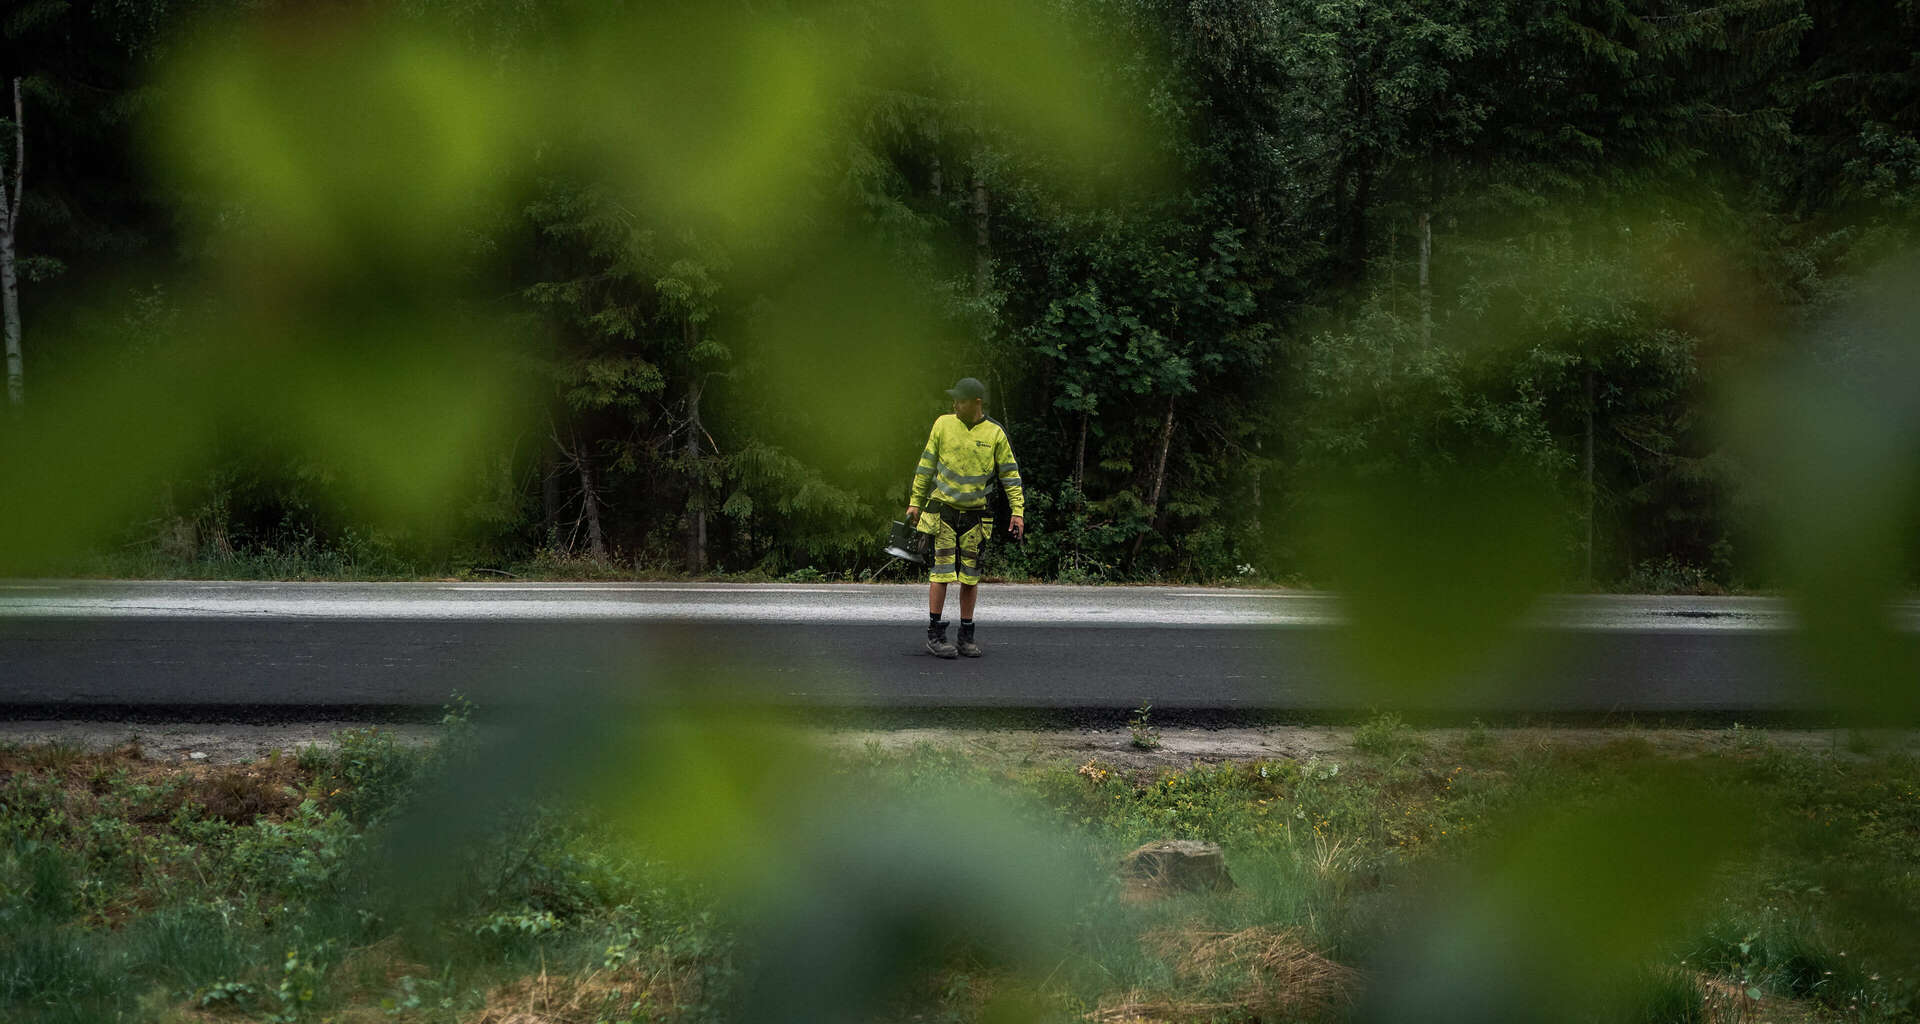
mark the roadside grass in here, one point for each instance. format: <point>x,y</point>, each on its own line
<point>354,563</point>
<point>1388,737</point>
<point>139,890</point>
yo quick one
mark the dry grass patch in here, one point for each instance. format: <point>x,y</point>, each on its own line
<point>375,968</point>
<point>1727,1002</point>
<point>1136,1009</point>
<point>272,788</point>
<point>626,992</point>
<point>1270,972</point>
<point>238,793</point>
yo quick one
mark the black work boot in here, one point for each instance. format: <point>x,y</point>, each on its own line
<point>937,644</point>
<point>968,649</point>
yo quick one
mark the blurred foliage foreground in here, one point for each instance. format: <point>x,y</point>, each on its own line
<point>680,282</point>
<point>695,867</point>
<point>426,285</point>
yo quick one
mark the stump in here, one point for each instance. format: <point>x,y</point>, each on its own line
<point>1175,865</point>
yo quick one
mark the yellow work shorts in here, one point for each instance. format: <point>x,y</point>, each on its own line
<point>955,558</point>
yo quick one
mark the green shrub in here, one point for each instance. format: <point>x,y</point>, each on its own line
<point>1668,575</point>
<point>369,775</point>
<point>1387,736</point>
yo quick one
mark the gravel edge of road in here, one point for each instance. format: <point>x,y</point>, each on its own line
<point>1178,747</point>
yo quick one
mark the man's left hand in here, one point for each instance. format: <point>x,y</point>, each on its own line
<point>1018,527</point>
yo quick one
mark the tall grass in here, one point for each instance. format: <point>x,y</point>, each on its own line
<point>123,896</point>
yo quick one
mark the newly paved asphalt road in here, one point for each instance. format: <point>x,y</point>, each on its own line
<point>80,648</point>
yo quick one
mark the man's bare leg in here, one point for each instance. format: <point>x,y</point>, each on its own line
<point>937,599</point>
<point>969,593</point>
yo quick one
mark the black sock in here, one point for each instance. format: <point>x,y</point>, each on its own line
<point>966,622</point>
<point>933,618</point>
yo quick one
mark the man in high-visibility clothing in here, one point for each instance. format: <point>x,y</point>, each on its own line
<point>965,454</point>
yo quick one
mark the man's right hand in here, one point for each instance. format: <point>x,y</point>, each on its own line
<point>913,514</point>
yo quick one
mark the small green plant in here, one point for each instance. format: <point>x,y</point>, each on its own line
<point>370,776</point>
<point>313,759</point>
<point>1386,735</point>
<point>1477,739</point>
<point>525,922</point>
<point>416,994</point>
<point>1746,738</point>
<point>300,979</point>
<point>1145,735</point>
<point>228,994</point>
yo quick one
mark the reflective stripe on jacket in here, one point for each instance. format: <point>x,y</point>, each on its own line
<point>961,462</point>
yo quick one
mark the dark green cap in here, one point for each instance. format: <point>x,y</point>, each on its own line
<point>967,388</point>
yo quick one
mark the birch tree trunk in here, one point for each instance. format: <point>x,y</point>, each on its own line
<point>1159,478</point>
<point>9,280</point>
<point>1160,464</point>
<point>1080,456</point>
<point>10,299</point>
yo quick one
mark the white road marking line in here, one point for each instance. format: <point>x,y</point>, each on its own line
<point>752,590</point>
<point>485,588</point>
<point>503,588</point>
<point>1271,597</point>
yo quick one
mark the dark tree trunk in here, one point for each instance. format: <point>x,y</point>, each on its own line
<point>590,503</point>
<point>1357,218</point>
<point>1426,285</point>
<point>1589,472</point>
<point>1393,271</point>
<point>696,540</point>
<point>550,493</point>
<point>696,537</point>
<point>982,237</point>
<point>983,280</point>
<point>1359,162</point>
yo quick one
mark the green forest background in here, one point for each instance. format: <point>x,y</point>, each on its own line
<point>1534,247</point>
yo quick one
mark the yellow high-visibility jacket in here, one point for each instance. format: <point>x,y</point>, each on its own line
<point>960,461</point>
